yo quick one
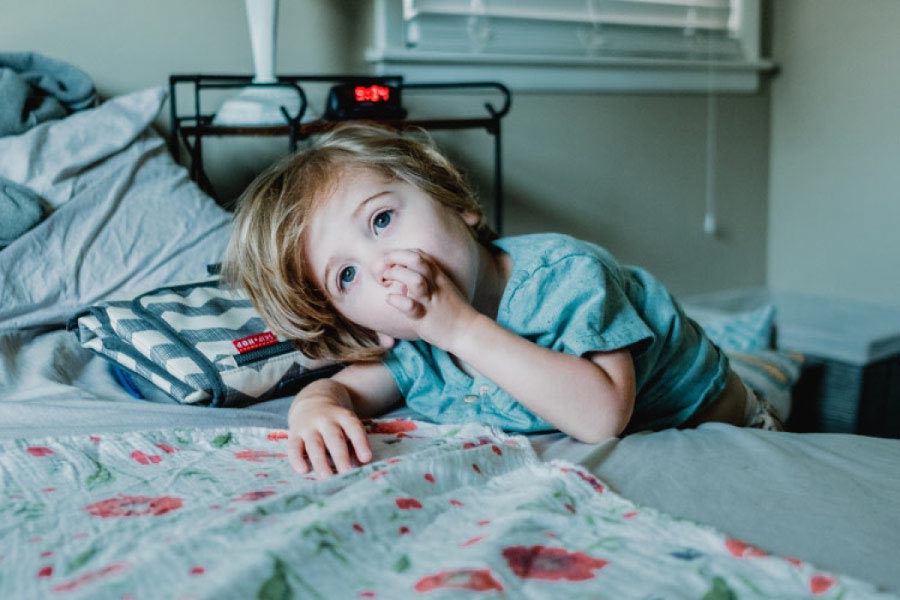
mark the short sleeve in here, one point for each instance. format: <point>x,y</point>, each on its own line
<point>577,305</point>
<point>406,363</point>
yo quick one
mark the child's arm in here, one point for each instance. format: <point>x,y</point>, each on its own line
<point>325,416</point>
<point>589,398</point>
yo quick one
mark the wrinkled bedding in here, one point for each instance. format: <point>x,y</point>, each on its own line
<point>127,219</point>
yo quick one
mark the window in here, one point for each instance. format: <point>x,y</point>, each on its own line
<point>577,45</point>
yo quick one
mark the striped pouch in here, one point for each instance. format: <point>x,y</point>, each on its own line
<point>197,343</point>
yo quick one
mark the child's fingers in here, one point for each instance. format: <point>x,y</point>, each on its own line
<point>415,260</point>
<point>337,448</point>
<point>406,305</point>
<point>315,449</point>
<point>295,455</point>
<point>416,285</point>
<point>354,430</point>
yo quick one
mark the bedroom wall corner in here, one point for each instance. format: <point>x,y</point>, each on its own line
<point>834,208</point>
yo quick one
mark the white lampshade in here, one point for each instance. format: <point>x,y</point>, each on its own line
<point>262,19</point>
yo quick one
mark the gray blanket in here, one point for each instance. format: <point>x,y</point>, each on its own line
<point>35,88</point>
<point>20,210</point>
<point>125,217</point>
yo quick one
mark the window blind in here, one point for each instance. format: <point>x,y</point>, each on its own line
<point>548,35</point>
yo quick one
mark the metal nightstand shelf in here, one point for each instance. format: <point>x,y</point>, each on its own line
<point>190,129</point>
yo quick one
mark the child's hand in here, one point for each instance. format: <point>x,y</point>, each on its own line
<point>318,426</point>
<point>437,308</point>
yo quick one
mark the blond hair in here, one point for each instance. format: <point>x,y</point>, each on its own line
<point>264,255</point>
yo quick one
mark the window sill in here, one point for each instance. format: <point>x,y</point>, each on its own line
<point>524,73</point>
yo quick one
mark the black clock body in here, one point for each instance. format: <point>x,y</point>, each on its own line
<point>364,101</point>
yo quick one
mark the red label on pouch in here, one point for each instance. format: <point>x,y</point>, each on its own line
<point>255,342</point>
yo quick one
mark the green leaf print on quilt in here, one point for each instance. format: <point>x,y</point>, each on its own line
<point>327,540</point>
<point>199,474</point>
<point>720,591</point>
<point>223,439</point>
<point>30,511</point>
<point>277,586</point>
<point>80,560</point>
<point>295,501</point>
<point>100,476</point>
<point>402,565</point>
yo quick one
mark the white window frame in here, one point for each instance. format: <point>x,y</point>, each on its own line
<point>390,54</point>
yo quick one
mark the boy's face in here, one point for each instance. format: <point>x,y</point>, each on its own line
<point>368,216</point>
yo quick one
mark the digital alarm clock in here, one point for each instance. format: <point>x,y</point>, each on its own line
<point>367,99</point>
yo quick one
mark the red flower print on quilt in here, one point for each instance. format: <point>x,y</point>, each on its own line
<point>134,506</point>
<point>479,580</point>
<point>541,562</point>
<point>395,426</point>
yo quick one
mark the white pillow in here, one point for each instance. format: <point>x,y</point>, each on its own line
<point>128,219</point>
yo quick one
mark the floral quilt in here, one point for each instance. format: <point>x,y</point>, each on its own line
<point>441,512</point>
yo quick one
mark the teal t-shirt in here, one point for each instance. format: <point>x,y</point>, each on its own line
<point>573,297</point>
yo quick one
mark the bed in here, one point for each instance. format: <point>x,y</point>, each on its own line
<point>106,496</point>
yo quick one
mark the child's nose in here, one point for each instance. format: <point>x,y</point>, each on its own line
<point>379,271</point>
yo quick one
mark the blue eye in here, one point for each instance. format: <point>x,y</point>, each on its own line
<point>382,219</point>
<point>348,275</point>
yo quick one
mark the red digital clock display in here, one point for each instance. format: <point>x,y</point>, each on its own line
<point>372,93</point>
<point>367,99</point>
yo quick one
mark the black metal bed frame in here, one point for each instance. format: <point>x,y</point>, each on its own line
<point>191,128</point>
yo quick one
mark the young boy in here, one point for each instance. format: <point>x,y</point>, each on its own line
<point>370,248</point>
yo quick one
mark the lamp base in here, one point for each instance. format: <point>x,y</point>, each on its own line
<point>255,106</point>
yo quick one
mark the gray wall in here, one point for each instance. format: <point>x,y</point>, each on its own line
<point>626,171</point>
<point>835,160</point>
